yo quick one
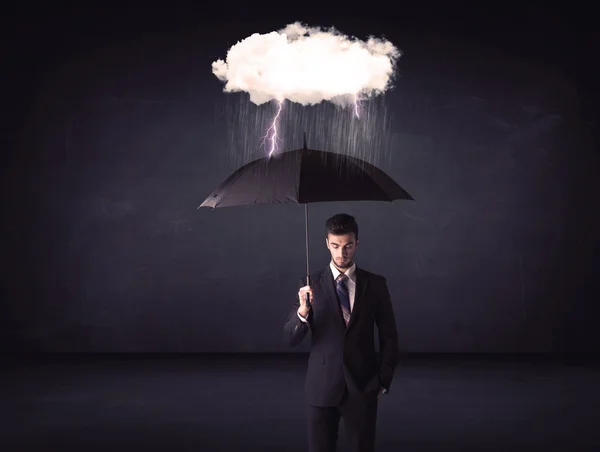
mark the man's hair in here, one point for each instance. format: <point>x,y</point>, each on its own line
<point>341,224</point>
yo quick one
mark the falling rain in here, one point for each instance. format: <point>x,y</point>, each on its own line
<point>328,127</point>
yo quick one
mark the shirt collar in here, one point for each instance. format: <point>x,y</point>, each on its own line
<point>350,272</point>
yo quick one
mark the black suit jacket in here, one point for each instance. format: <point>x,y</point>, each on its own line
<point>343,357</point>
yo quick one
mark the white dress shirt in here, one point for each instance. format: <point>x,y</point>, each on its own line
<point>350,283</point>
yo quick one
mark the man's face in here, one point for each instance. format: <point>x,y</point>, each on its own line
<point>342,248</point>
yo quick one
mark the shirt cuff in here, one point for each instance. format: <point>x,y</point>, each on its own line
<point>301,318</point>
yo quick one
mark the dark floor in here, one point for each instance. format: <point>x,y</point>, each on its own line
<point>223,403</point>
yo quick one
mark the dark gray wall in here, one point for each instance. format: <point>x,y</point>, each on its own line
<point>120,139</point>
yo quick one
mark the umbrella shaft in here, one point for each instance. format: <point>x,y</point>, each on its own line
<point>308,301</point>
<point>306,232</point>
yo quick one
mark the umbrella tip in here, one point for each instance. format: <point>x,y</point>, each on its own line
<point>305,141</point>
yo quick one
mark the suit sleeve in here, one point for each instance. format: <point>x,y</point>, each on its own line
<point>295,329</point>
<point>388,337</point>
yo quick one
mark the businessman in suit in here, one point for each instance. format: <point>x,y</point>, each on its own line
<point>345,377</point>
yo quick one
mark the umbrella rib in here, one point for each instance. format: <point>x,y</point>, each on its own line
<point>262,186</point>
<point>241,173</point>
<point>368,169</point>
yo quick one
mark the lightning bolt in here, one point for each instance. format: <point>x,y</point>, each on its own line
<point>356,105</point>
<point>271,135</point>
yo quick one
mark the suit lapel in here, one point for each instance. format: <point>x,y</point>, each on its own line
<point>329,288</point>
<point>359,294</point>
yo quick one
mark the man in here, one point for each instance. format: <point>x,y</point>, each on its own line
<point>344,378</point>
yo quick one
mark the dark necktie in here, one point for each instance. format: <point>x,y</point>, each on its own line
<point>342,290</point>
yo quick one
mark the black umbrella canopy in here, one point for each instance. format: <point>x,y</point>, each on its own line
<point>305,176</point>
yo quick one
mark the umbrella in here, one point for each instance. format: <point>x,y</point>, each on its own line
<point>305,176</point>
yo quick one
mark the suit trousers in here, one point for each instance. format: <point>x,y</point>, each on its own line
<point>359,413</point>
